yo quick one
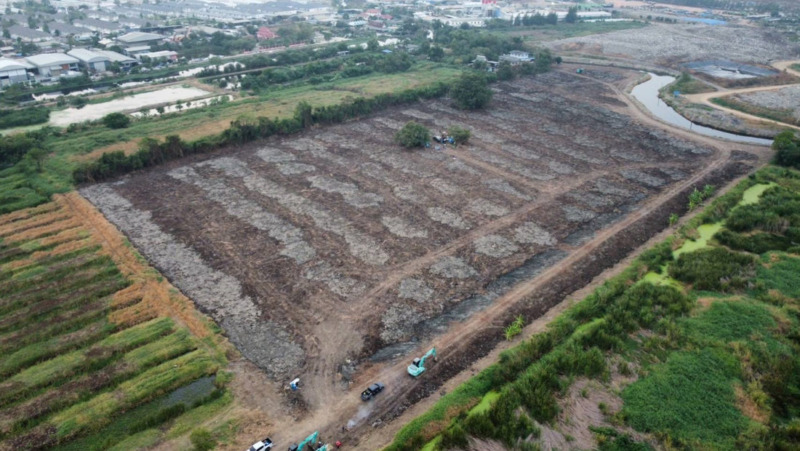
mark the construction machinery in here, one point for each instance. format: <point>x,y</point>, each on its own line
<point>311,442</point>
<point>417,367</point>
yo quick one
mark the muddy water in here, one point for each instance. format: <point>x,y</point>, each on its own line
<point>473,304</point>
<point>647,94</point>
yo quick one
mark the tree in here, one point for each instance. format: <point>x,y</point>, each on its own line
<point>552,18</point>
<point>471,91</point>
<point>505,72</point>
<point>787,149</point>
<point>302,113</point>
<point>436,53</point>
<point>116,120</point>
<point>37,155</point>
<point>572,15</point>
<point>373,45</point>
<point>412,135</point>
<point>460,135</point>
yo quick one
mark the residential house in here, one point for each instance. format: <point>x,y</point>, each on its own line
<point>100,26</point>
<point>516,57</point>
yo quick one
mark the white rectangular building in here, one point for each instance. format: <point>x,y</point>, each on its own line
<point>91,60</point>
<point>53,64</point>
<point>13,71</point>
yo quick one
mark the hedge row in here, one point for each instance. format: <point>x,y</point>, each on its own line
<point>152,152</point>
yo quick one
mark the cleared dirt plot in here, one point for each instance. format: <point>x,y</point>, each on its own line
<point>98,350</point>
<point>667,44</point>
<point>337,248</point>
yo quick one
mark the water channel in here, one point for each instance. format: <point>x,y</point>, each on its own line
<point>647,94</point>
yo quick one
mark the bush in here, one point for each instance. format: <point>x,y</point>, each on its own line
<point>412,135</point>
<point>460,135</point>
<point>757,243</point>
<point>514,328</point>
<point>715,269</point>
<point>27,116</point>
<point>202,440</point>
<point>116,120</point>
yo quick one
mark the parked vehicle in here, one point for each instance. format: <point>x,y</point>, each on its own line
<point>263,445</point>
<point>371,391</point>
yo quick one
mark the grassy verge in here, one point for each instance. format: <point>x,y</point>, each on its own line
<point>700,366</point>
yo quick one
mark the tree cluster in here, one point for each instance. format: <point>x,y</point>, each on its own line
<point>25,116</point>
<point>152,152</point>
<point>787,149</point>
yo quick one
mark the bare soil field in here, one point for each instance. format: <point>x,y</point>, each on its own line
<point>669,45</point>
<point>332,254</point>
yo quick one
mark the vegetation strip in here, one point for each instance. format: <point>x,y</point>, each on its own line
<point>657,329</point>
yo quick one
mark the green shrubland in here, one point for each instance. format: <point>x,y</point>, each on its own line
<point>694,365</point>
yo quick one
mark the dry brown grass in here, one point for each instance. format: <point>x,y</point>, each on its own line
<point>20,215</point>
<point>158,296</point>
<point>749,408</point>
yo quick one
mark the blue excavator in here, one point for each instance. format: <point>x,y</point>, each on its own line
<point>417,367</point>
<point>311,442</point>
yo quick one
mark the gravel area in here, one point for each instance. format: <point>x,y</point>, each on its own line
<point>415,289</point>
<point>447,217</point>
<point>495,246</point>
<point>453,268</point>
<point>532,233</point>
<point>400,227</point>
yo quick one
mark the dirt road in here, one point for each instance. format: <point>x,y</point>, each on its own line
<point>705,98</point>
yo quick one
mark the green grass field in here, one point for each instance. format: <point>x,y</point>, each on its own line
<point>703,369</point>
<point>87,362</point>
<point>26,187</point>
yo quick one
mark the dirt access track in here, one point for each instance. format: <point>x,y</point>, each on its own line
<point>337,257</point>
<point>705,98</point>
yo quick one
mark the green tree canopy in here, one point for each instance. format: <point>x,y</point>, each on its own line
<point>412,135</point>
<point>116,120</point>
<point>471,91</point>
<point>787,149</point>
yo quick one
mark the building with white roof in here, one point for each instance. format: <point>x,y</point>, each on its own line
<point>139,38</point>
<point>13,71</point>
<point>114,57</point>
<point>53,64</point>
<point>91,60</point>
<point>163,55</point>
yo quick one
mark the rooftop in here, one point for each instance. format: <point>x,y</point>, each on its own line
<point>51,59</point>
<point>87,56</point>
<point>9,64</point>
<point>139,37</point>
